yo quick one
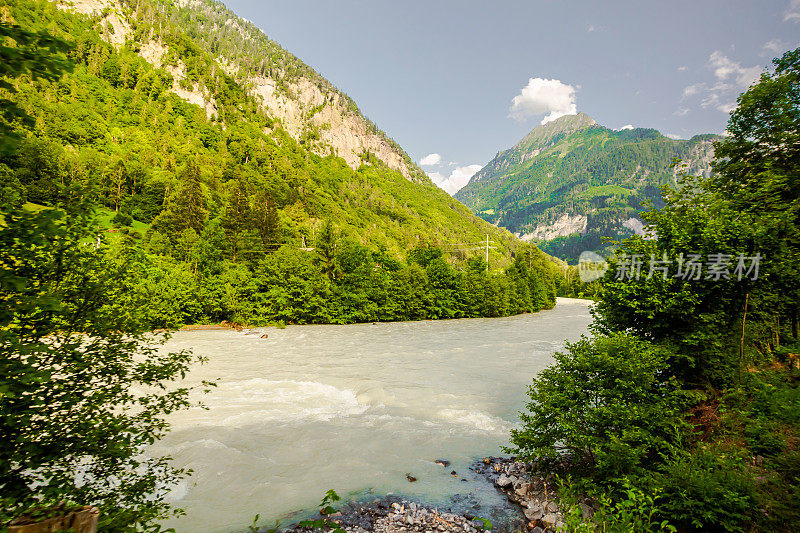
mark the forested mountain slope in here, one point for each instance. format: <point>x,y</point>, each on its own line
<point>157,84</point>
<point>231,171</point>
<point>571,182</point>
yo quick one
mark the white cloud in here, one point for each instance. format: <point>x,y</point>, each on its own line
<point>731,79</point>
<point>692,89</point>
<point>430,160</point>
<point>457,179</point>
<point>792,13</point>
<point>682,111</point>
<point>775,46</point>
<point>626,127</point>
<point>725,68</point>
<point>590,29</point>
<point>672,136</point>
<point>682,68</point>
<point>542,96</point>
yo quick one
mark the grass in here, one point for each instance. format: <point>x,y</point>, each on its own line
<point>605,190</point>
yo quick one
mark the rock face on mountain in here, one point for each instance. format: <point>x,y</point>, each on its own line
<point>171,95</point>
<point>306,105</point>
<point>571,182</point>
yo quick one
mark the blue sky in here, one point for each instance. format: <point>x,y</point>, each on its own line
<point>463,79</point>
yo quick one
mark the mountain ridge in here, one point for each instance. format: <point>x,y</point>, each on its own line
<point>578,181</point>
<point>306,105</point>
<point>161,86</point>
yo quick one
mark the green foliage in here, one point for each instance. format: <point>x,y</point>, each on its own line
<point>707,488</point>
<point>631,511</point>
<point>486,524</point>
<point>689,391</point>
<point>37,55</point>
<point>573,166</point>
<point>325,508</point>
<point>80,382</point>
<point>608,403</point>
<point>216,197</point>
<point>254,527</point>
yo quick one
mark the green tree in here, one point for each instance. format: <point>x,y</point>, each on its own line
<point>326,248</point>
<point>292,288</point>
<point>443,289</point>
<point>187,208</point>
<point>22,52</point>
<point>756,172</point>
<point>238,216</point>
<point>81,378</point>
<point>265,217</point>
<point>609,402</point>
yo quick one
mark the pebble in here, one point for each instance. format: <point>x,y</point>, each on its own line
<point>535,494</point>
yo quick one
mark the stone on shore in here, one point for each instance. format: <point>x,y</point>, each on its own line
<point>503,481</point>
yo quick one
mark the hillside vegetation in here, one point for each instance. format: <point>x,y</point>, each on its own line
<point>682,411</point>
<point>571,182</point>
<point>203,144</point>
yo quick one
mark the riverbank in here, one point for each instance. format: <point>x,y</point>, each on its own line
<point>250,329</point>
<point>531,504</point>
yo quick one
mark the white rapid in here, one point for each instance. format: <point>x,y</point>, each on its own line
<point>352,408</point>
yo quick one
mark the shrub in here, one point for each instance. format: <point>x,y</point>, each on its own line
<point>632,510</point>
<point>707,488</point>
<point>607,403</point>
<point>121,219</point>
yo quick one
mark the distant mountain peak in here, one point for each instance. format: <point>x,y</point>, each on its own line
<point>571,182</point>
<point>574,122</point>
<point>549,132</point>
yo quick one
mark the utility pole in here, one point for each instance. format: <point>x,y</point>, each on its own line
<point>487,253</point>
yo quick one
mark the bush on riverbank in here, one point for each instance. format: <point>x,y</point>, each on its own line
<point>82,388</point>
<point>608,402</point>
<point>711,423</point>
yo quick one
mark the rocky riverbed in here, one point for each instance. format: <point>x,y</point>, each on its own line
<point>395,515</point>
<point>532,495</point>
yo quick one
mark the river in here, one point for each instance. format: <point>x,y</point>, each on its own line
<point>353,408</point>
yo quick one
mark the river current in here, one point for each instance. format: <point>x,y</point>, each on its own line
<point>353,408</point>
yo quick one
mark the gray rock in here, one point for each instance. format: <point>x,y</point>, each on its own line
<point>504,481</point>
<point>536,505</point>
<point>552,507</point>
<point>524,488</point>
<point>586,511</point>
<point>549,520</point>
<point>537,529</point>
<point>533,514</point>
